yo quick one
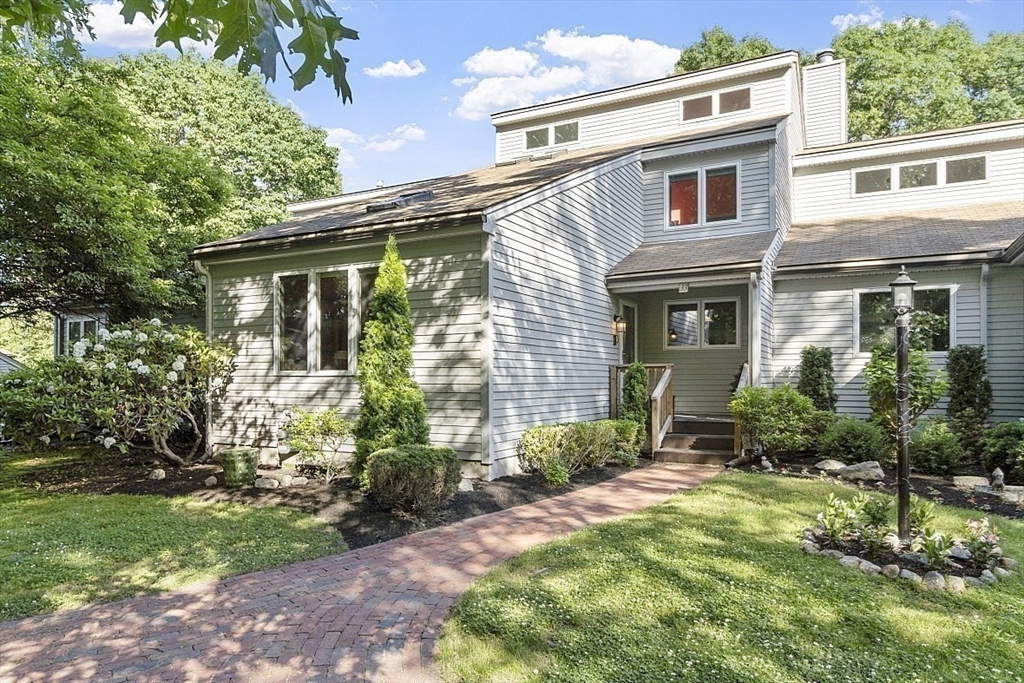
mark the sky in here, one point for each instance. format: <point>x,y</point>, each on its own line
<point>427,75</point>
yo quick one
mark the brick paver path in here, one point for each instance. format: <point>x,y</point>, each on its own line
<point>368,614</point>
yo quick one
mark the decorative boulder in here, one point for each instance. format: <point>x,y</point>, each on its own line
<point>466,484</point>
<point>849,561</point>
<point>870,567</point>
<point>973,582</point>
<point>968,483</point>
<point>266,483</point>
<point>891,571</point>
<point>958,552</point>
<point>910,576</point>
<point>935,581</point>
<point>1008,563</point>
<point>300,481</point>
<point>210,481</point>
<point>810,547</point>
<point>862,471</point>
<point>1001,573</point>
<point>955,584</point>
<point>988,577</point>
<point>157,474</point>
<point>829,465</point>
<point>834,554</point>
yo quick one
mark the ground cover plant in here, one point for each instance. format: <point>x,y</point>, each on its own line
<point>711,587</point>
<point>64,550</point>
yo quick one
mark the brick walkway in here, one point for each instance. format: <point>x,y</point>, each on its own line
<point>368,614</point>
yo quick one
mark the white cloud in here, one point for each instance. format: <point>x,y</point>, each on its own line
<point>871,18</point>
<point>956,14</point>
<point>111,31</point>
<point>389,145</point>
<point>409,131</point>
<point>508,62</point>
<point>399,69</point>
<point>567,62</point>
<point>342,138</point>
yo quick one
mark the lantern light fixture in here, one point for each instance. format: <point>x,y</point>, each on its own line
<point>902,289</point>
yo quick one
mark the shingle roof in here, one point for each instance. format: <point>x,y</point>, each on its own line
<point>651,259</point>
<point>463,194</point>
<point>935,232</point>
<point>910,137</point>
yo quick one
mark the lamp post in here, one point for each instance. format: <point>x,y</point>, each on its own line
<point>902,289</point>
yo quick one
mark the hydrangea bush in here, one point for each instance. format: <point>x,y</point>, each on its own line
<point>136,385</point>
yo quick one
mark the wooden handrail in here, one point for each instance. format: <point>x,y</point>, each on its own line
<point>660,402</point>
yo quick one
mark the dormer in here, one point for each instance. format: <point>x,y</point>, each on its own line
<point>753,89</point>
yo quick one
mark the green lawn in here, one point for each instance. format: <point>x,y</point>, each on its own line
<point>710,586</point>
<point>60,551</point>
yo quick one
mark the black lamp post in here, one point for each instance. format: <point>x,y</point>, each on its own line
<point>902,289</point>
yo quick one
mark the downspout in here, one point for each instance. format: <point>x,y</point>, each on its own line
<point>754,306</point>
<point>205,272</point>
<point>983,287</point>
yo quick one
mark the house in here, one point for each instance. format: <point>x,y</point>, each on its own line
<point>8,363</point>
<point>709,225</point>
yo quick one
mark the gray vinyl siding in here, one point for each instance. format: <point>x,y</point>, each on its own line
<point>550,309</point>
<point>7,364</point>
<point>445,291</point>
<point>825,104</point>
<point>702,378</point>
<point>826,192</point>
<point>652,116</point>
<point>1006,341</point>
<point>755,210</point>
<point>820,311</point>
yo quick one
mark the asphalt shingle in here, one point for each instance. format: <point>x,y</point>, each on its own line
<point>650,259</point>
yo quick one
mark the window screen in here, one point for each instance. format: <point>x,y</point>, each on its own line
<point>567,132</point>
<point>697,108</point>
<point>333,300</point>
<point>682,209</point>
<point>964,170</point>
<point>879,180</point>
<point>919,175</point>
<point>734,100</point>
<point>720,194</point>
<point>537,138</point>
<point>293,322</point>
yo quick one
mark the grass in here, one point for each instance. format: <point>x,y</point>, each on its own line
<point>62,551</point>
<point>710,586</point>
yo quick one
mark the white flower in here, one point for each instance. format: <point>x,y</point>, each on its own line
<point>78,350</point>
<point>142,336</point>
<point>112,365</point>
<point>103,334</point>
<point>134,363</point>
<point>177,366</point>
<point>45,439</point>
<point>172,376</point>
<point>99,347</point>
<point>180,359</point>
<point>109,441</point>
<point>142,369</point>
<point>155,322</point>
<point>170,337</point>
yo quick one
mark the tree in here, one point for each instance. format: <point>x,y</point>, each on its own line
<point>927,387</point>
<point>817,381</point>
<point>393,411</point>
<point>912,75</point>
<point>717,47</point>
<point>92,209</point>
<point>27,340</point>
<point>233,122</point>
<point>246,31</point>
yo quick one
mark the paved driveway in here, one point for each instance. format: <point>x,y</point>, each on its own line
<point>368,614</point>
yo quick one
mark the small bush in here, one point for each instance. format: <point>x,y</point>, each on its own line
<point>414,478</point>
<point>970,396</point>
<point>839,519</point>
<point>935,547</point>
<point>777,419</point>
<point>542,449</point>
<point>629,439</point>
<point>594,442</point>
<point>816,380</point>
<point>634,394</point>
<point>319,436</point>
<point>1003,447</point>
<point>559,451</point>
<point>922,514</point>
<point>875,512</point>
<point>980,539</point>
<point>934,448</point>
<point>851,440</point>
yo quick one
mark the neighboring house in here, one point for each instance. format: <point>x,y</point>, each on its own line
<point>70,327</point>
<point>721,215</point>
<point>8,363</point>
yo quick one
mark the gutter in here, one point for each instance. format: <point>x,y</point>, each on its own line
<point>742,267</point>
<point>790,272</point>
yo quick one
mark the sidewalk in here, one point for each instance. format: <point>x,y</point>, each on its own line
<point>368,614</point>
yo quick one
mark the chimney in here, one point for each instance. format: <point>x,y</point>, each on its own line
<point>825,106</point>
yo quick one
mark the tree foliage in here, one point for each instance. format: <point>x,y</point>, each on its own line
<point>927,387</point>
<point>635,398</point>
<point>245,31</point>
<point>717,47</point>
<point>393,411</point>
<point>816,377</point>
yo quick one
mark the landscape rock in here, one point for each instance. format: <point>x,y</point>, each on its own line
<point>862,471</point>
<point>849,561</point>
<point>955,584</point>
<point>891,570</point>
<point>834,554</point>
<point>1008,563</point>
<point>267,483</point>
<point>960,553</point>
<point>269,458</point>
<point>988,577</point>
<point>919,558</point>
<point>935,581</point>
<point>809,535</point>
<point>300,481</point>
<point>870,567</point>
<point>157,474</point>
<point>466,484</point>
<point>968,483</point>
<point>1001,573</point>
<point>1012,494</point>
<point>810,547</point>
<point>829,465</point>
<point>210,481</point>
<point>910,576</point>
<point>283,478</point>
<point>973,582</point>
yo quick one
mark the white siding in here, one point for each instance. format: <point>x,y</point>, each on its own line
<point>826,192</point>
<point>1006,342</point>
<point>650,117</point>
<point>820,311</point>
<point>445,291</point>
<point>825,104</point>
<point>755,211</point>
<point>7,364</point>
<point>551,311</point>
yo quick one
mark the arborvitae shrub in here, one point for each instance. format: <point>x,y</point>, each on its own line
<point>634,395</point>
<point>970,396</point>
<point>816,380</point>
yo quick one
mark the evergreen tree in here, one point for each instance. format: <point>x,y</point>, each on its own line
<point>392,411</point>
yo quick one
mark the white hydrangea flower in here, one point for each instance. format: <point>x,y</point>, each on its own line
<point>99,347</point>
<point>177,365</point>
<point>109,441</point>
<point>170,337</point>
<point>112,365</point>
<point>78,349</point>
<point>155,322</point>
<point>134,363</point>
<point>180,359</point>
<point>142,369</point>
<point>103,334</point>
<point>142,336</point>
<point>172,376</point>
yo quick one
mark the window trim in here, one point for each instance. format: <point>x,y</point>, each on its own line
<point>940,175</point>
<point>701,344</point>
<point>352,273</point>
<point>702,221</point>
<point>952,287</point>
<point>551,135</point>
<point>66,320</point>
<point>716,106</point>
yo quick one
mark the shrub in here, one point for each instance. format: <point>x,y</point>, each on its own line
<point>559,451</point>
<point>839,518</point>
<point>414,478</point>
<point>1003,447</point>
<point>877,539</point>
<point>922,514</point>
<point>816,380</point>
<point>392,409</point>
<point>935,547</point>
<point>634,395</point>
<point>851,440</point>
<point>875,512</point>
<point>934,448</point>
<point>629,439</point>
<point>981,539</point>
<point>319,436</point>
<point>926,387</point>
<point>141,384</point>
<point>777,419</point>
<point>970,396</point>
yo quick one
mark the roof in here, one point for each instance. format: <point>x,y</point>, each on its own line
<point>927,135</point>
<point>971,229</point>
<point>6,359</point>
<point>717,252</point>
<point>457,198</point>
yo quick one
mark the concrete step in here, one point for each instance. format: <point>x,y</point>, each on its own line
<point>698,425</point>
<point>699,442</point>
<point>693,457</point>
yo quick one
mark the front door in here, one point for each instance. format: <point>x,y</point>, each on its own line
<point>629,338</point>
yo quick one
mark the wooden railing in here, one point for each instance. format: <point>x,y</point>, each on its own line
<point>660,403</point>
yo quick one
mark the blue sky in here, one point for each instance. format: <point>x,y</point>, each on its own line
<point>426,74</point>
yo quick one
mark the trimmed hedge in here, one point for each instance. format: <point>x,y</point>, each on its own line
<point>559,451</point>
<point>414,478</point>
<point>935,448</point>
<point>780,419</point>
<point>850,440</point>
<point>634,394</point>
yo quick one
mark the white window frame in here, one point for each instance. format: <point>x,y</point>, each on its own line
<point>551,136</point>
<point>715,104</point>
<point>940,175</point>
<point>701,191</point>
<point>953,287</point>
<point>66,321</point>
<point>701,342</point>
<point>313,320</point>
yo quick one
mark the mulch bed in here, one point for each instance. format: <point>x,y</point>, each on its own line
<point>938,489</point>
<point>359,519</point>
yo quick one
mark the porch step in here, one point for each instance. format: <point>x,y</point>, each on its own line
<point>693,457</point>
<point>698,442</point>
<point>689,424</point>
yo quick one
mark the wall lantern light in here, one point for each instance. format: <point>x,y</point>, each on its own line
<point>673,336</point>
<point>619,324</point>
